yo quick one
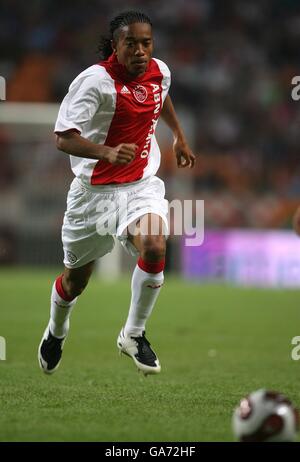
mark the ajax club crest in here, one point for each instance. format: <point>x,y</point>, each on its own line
<point>140,93</point>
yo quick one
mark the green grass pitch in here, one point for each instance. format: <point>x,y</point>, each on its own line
<point>215,344</point>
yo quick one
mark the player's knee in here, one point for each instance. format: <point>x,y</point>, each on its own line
<point>154,249</point>
<point>73,286</point>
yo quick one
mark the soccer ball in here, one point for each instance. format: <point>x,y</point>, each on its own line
<point>265,416</point>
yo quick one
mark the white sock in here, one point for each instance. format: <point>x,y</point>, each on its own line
<point>60,314</point>
<point>145,288</point>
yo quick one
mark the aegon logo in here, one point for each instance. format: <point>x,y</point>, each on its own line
<point>157,100</point>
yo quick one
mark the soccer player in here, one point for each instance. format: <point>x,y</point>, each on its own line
<point>106,123</point>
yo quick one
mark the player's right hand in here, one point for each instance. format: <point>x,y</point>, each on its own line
<point>122,154</point>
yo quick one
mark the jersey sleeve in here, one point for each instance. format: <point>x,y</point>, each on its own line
<point>166,80</point>
<point>80,104</point>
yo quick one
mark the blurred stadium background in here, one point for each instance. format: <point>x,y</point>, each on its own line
<point>232,65</point>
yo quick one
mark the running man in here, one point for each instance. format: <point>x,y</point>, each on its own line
<point>106,123</point>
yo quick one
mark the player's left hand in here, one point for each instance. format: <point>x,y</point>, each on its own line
<point>184,155</point>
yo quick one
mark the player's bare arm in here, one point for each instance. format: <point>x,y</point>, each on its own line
<point>72,143</point>
<point>184,155</point>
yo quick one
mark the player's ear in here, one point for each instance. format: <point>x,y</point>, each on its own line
<point>113,45</point>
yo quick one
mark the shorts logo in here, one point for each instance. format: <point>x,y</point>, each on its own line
<point>140,93</point>
<point>71,257</point>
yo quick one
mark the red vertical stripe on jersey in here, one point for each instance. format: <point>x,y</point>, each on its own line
<point>138,106</point>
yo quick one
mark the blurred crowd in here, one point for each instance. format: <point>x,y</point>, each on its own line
<point>232,64</point>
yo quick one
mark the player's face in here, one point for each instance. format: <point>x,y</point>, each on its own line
<point>134,47</point>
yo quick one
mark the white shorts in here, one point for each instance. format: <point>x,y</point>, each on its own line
<point>96,216</point>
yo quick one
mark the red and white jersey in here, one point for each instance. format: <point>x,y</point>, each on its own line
<point>107,106</point>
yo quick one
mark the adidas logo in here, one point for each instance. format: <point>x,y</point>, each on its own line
<point>125,90</point>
